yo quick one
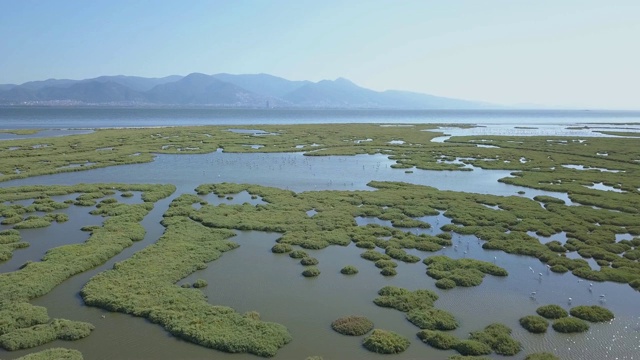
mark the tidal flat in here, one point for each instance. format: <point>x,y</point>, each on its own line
<point>178,205</point>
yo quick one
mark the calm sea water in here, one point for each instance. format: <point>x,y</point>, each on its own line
<point>65,118</point>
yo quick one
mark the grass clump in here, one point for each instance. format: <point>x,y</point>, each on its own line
<point>541,356</point>
<point>349,270</point>
<point>311,272</point>
<point>438,339</point>
<point>388,271</point>
<point>308,261</point>
<point>200,283</point>
<point>381,264</point>
<point>432,319</point>
<point>33,222</point>
<point>281,248</point>
<point>55,353</point>
<point>561,269</point>
<point>10,241</point>
<point>445,283</point>
<point>592,313</point>
<point>373,255</point>
<point>366,244</point>
<point>385,342</point>
<point>552,311</point>
<point>17,315</point>
<point>352,325</point>
<point>298,254</point>
<point>498,337</point>
<point>534,324</point>
<point>570,325</point>
<point>401,255</point>
<point>41,334</point>
<point>461,272</point>
<point>462,357</point>
<point>472,348</point>
<point>403,299</point>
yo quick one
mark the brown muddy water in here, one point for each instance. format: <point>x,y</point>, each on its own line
<point>273,285</point>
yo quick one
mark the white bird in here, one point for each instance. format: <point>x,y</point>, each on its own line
<point>540,274</point>
<point>570,300</point>
<point>602,295</point>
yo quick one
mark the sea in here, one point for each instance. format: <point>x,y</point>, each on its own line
<point>111,117</point>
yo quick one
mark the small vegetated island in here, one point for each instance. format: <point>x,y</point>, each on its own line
<point>147,283</point>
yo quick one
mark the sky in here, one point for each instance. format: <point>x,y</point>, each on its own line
<point>555,53</point>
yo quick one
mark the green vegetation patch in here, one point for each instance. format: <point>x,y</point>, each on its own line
<point>298,254</point>
<point>145,285</point>
<point>541,356</point>
<point>308,261</point>
<point>460,272</point>
<point>281,248</point>
<point>200,283</point>
<point>438,339</point>
<point>18,315</point>
<point>41,334</point>
<point>432,319</point>
<point>592,313</point>
<point>472,348</point>
<point>570,325</point>
<point>55,353</point>
<point>552,311</point>
<point>498,337</point>
<point>349,270</point>
<point>534,324</point>
<point>403,299</point>
<point>311,271</point>
<point>385,342</point>
<point>10,241</point>
<point>353,325</point>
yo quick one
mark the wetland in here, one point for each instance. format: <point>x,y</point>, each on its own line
<point>200,241</point>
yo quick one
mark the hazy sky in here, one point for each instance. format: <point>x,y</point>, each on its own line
<point>580,53</point>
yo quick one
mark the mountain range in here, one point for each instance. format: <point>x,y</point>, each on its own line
<point>223,90</point>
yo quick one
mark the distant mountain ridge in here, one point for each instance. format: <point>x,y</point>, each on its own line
<point>223,90</point>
